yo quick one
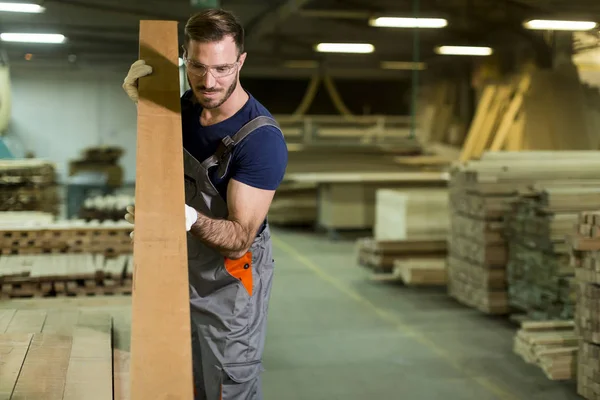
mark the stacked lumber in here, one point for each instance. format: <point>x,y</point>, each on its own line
<point>481,195</point>
<point>102,160</point>
<point>109,238</point>
<point>551,345</point>
<point>57,275</point>
<point>59,354</point>
<point>107,207</point>
<point>585,258</point>
<point>415,262</point>
<point>411,213</point>
<point>28,185</point>
<point>540,274</point>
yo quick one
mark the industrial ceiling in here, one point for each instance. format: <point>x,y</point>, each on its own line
<point>281,34</point>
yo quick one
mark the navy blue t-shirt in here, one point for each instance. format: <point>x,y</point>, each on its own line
<point>260,160</point>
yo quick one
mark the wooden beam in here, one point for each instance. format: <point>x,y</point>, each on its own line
<point>161,366</point>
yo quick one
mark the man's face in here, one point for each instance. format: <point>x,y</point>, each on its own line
<point>218,60</point>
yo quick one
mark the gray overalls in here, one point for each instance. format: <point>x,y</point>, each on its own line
<point>229,298</point>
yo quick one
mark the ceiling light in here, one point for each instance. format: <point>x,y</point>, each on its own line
<point>395,22</point>
<point>402,65</point>
<point>546,24</point>
<point>22,7</point>
<point>33,37</point>
<point>345,48</point>
<point>464,50</point>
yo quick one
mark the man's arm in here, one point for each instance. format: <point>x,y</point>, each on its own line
<point>248,206</point>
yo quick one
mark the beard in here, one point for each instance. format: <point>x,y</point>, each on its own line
<point>212,103</point>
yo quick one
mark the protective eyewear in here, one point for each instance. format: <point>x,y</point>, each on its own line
<point>219,71</point>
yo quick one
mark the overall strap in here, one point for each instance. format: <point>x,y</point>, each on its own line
<point>223,154</point>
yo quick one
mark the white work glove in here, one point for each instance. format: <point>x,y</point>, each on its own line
<point>191,216</point>
<point>130,217</point>
<point>137,70</point>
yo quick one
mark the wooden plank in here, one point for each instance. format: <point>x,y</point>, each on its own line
<point>161,365</point>
<point>5,317</point>
<point>43,373</point>
<point>27,321</point>
<point>480,115</point>
<point>13,349</point>
<point>90,373</point>
<point>368,177</point>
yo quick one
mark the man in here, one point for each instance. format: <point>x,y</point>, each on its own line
<point>235,157</point>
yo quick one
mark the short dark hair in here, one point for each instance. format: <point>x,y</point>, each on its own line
<point>213,25</point>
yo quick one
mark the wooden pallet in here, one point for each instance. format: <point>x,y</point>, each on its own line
<point>64,355</point>
<point>64,275</point>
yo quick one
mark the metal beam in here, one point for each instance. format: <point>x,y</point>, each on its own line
<point>268,21</point>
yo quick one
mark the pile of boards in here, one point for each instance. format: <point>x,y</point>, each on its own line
<point>535,197</point>
<point>585,259</point>
<point>110,238</point>
<point>60,355</point>
<point>551,345</point>
<point>41,257</point>
<point>50,275</point>
<point>106,207</point>
<point>28,185</point>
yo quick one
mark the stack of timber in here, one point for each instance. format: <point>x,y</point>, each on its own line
<point>540,274</point>
<point>107,207</point>
<point>109,238</point>
<point>28,185</point>
<point>481,194</point>
<point>104,160</point>
<point>551,345</point>
<point>58,354</point>
<point>585,258</point>
<point>57,275</point>
<point>413,261</point>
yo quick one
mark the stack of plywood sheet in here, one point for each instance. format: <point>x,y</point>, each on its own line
<point>585,258</point>
<point>481,193</point>
<point>60,355</point>
<point>411,214</point>
<point>108,237</point>
<point>28,185</point>
<point>551,345</point>
<point>52,275</point>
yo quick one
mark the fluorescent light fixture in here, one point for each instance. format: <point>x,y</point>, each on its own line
<point>396,22</point>
<point>555,25</point>
<point>345,48</point>
<point>22,7</point>
<point>307,64</point>
<point>403,65</point>
<point>464,50</point>
<point>33,37</point>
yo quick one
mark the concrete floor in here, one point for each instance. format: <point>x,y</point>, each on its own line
<point>333,334</point>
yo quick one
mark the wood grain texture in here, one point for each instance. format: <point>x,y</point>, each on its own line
<point>161,366</point>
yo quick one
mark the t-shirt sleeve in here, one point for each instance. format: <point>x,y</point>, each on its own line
<point>262,159</point>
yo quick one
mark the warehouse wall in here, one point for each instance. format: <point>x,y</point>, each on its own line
<point>57,113</point>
